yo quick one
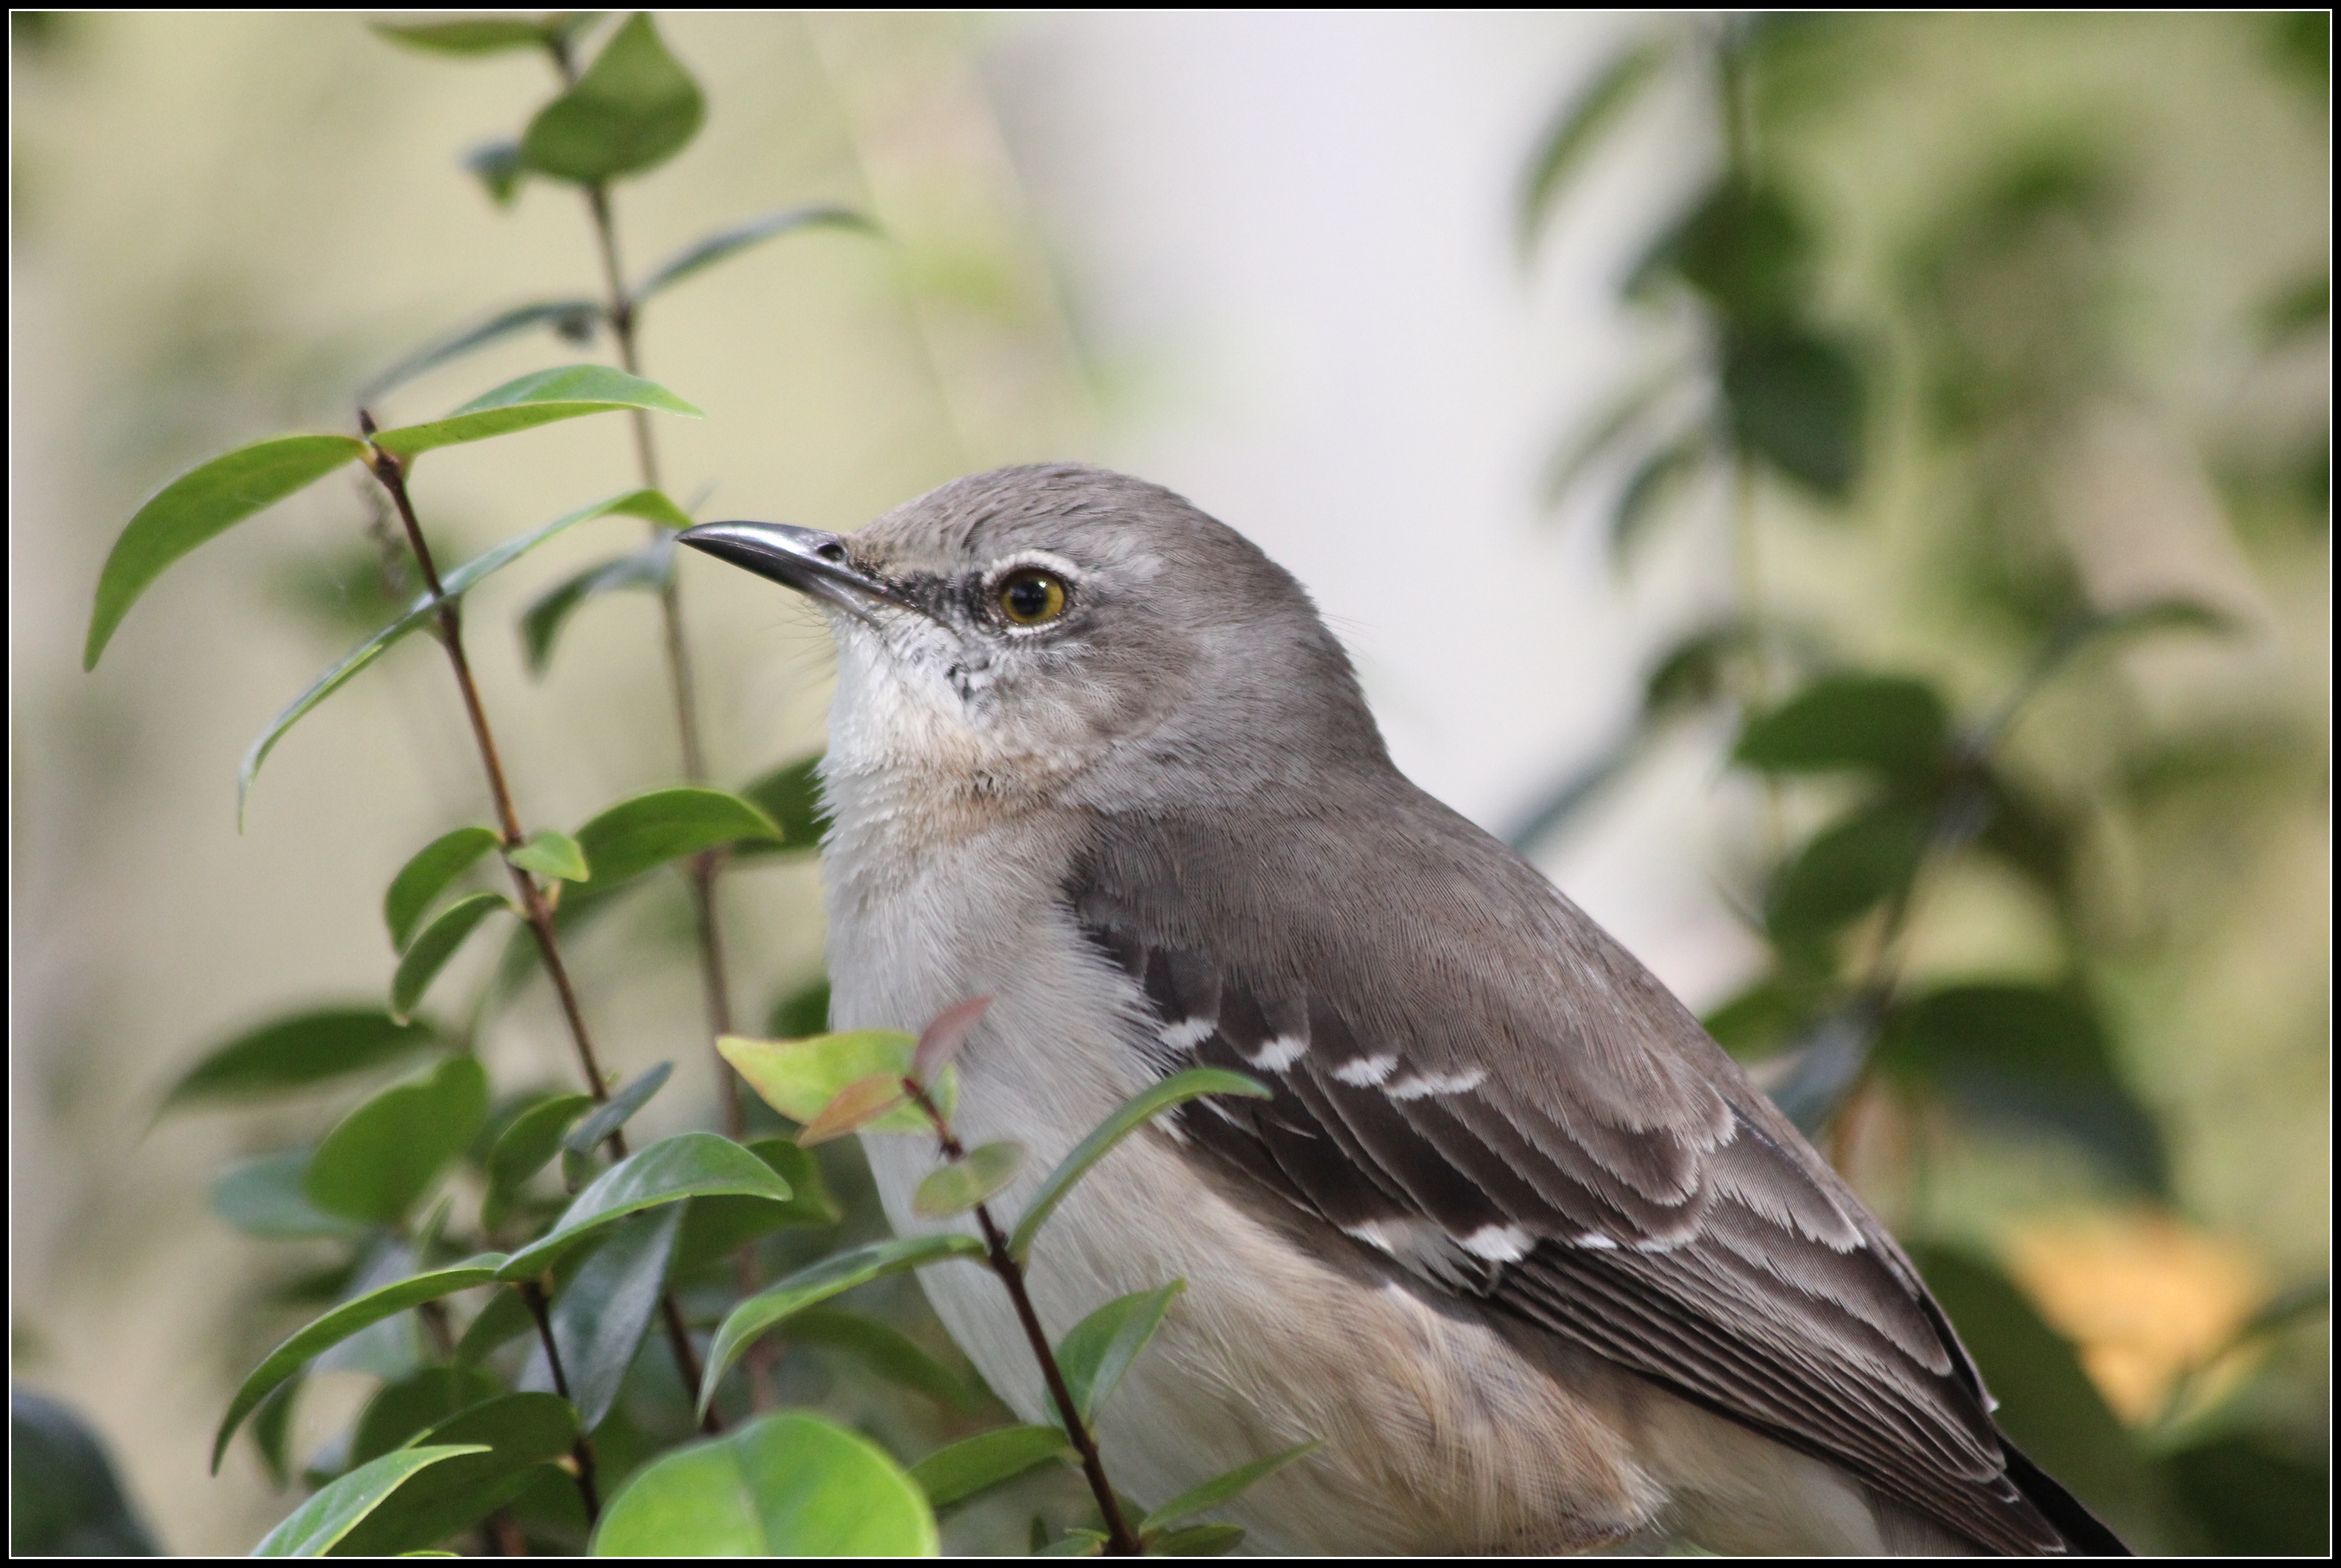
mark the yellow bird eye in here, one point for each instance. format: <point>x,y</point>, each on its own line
<point>1031,596</point>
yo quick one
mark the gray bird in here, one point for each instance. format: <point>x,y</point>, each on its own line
<point>1513,1236</point>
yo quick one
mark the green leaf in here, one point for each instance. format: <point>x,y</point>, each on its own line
<point>2032,1053</point>
<point>648,504</point>
<point>1224,1489</point>
<point>1846,870</point>
<point>1646,491</point>
<point>687,1165</point>
<point>1891,725</point>
<point>64,1501</point>
<point>599,1316</point>
<point>295,1052</point>
<point>549,851</point>
<point>1140,1109</point>
<point>890,1353</point>
<point>808,1286</point>
<point>715,1226</point>
<point>649,569</point>
<point>339,1325</point>
<point>799,1077</point>
<point>420,881</point>
<point>271,1430</point>
<point>729,242</point>
<point>480,37</point>
<point>524,1431</point>
<point>650,830</point>
<point>199,504</point>
<point>635,107</point>
<point>1106,1343</point>
<point>497,165</point>
<point>541,397</point>
<point>800,1013</point>
<point>1746,249</point>
<point>618,1111</point>
<point>788,1485</point>
<point>526,1147</point>
<point>504,1319</point>
<point>386,1153</point>
<point>263,1197</point>
<point>403,1409</point>
<point>1576,130</point>
<point>790,795</point>
<point>958,1471</point>
<point>430,951</point>
<point>1798,402</point>
<point>2047,1404</point>
<point>2252,1501</point>
<point>1075,1544</point>
<point>1198,1541</point>
<point>314,1529</point>
<point>957,1187</point>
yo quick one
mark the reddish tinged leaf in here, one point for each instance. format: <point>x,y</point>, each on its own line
<point>855,1106</point>
<point>940,1041</point>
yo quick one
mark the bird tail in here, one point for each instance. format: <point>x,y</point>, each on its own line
<point>2085,1533</point>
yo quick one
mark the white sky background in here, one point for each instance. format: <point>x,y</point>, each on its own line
<point>1291,234</point>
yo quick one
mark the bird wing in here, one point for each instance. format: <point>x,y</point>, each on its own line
<point>1472,1078</point>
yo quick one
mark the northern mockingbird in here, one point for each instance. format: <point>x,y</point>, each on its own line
<point>1514,1237</point>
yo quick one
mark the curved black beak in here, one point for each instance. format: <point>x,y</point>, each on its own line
<point>806,559</point>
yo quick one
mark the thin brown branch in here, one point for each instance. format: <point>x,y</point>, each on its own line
<point>581,1453</point>
<point>1120,1540</point>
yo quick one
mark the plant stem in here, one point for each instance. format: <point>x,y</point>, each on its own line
<point>582,1451</point>
<point>387,469</point>
<point>1121,1541</point>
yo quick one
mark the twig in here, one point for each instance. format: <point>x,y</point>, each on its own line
<point>1121,1541</point>
<point>392,473</point>
<point>582,1451</point>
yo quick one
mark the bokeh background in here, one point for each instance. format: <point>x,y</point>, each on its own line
<point>1300,268</point>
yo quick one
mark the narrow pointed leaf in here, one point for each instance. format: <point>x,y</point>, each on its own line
<point>539,397</point>
<point>648,569</point>
<point>788,1485</point>
<point>858,1104</point>
<point>1223,1489</point>
<point>688,1165</point>
<point>1140,1109</point>
<point>521,1432</point>
<point>648,504</point>
<point>1578,128</point>
<point>402,1411</point>
<point>339,1325</point>
<point>431,950</point>
<point>974,1464</point>
<point>599,1316</point>
<point>888,1352</point>
<point>717,1227</point>
<point>295,1052</point>
<point>790,795</point>
<point>420,881</point>
<point>1106,1343</point>
<point>549,851</point>
<point>573,319</point>
<point>480,37</point>
<point>199,504</point>
<point>729,242</point>
<point>528,1146</point>
<point>956,1188</point>
<point>385,1155</point>
<point>799,1077</point>
<point>838,1272</point>
<point>639,835</point>
<point>940,1041</point>
<point>635,107</point>
<point>313,1529</point>
<point>608,1118</point>
<point>1646,492</point>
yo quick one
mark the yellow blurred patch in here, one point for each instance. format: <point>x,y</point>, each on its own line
<point>2145,1296</point>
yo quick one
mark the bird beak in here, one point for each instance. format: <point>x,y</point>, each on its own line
<point>809,561</point>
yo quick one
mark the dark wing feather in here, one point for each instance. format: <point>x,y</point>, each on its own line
<point>1471,1077</point>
